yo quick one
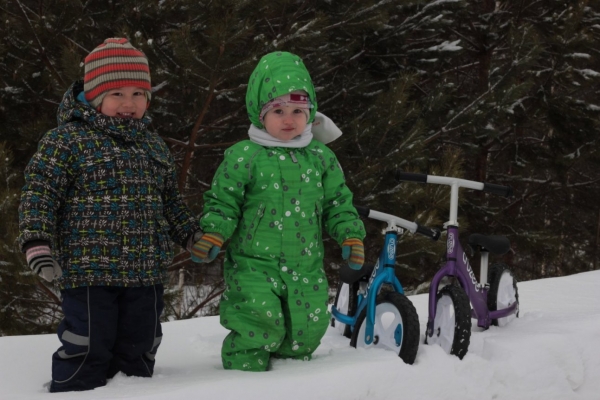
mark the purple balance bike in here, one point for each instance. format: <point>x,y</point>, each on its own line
<point>494,298</point>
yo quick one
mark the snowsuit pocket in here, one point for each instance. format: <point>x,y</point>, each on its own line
<point>319,214</point>
<point>253,226</point>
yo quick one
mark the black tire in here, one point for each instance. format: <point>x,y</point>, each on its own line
<point>452,323</point>
<point>386,332</point>
<point>348,306</point>
<point>503,292</point>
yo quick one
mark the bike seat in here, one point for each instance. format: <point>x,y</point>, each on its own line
<point>493,244</point>
<point>349,275</point>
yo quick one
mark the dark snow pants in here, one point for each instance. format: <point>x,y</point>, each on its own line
<point>106,330</point>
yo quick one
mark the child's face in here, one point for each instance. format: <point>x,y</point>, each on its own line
<point>285,123</point>
<point>125,102</point>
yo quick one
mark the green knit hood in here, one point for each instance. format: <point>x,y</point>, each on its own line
<point>277,74</point>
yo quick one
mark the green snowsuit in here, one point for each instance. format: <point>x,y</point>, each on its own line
<point>273,203</point>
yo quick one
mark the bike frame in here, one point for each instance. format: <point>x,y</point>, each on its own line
<point>457,264</point>
<point>383,272</point>
<point>379,277</point>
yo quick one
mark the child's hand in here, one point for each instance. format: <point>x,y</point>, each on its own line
<point>207,248</point>
<point>353,250</point>
<point>39,259</point>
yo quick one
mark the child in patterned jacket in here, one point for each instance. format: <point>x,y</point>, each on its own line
<point>273,195</point>
<point>98,211</point>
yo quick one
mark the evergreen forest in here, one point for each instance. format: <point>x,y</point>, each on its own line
<point>504,92</point>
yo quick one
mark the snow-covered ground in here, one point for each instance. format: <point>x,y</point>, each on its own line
<point>551,353</point>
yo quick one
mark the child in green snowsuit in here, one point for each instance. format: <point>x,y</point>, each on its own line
<point>272,196</point>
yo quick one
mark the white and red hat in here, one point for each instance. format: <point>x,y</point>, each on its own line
<point>113,65</point>
<point>297,99</point>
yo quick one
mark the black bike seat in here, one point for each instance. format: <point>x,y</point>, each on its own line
<point>349,275</point>
<point>493,244</point>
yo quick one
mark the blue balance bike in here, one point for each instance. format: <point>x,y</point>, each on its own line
<point>370,316</point>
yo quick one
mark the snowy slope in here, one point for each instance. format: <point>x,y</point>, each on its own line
<point>551,352</point>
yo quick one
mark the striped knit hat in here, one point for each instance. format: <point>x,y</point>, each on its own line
<point>112,65</point>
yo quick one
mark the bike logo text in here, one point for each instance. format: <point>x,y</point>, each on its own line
<point>471,273</point>
<point>450,244</point>
<point>391,248</point>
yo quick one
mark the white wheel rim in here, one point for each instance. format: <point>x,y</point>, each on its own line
<point>387,319</point>
<point>506,297</point>
<point>342,306</point>
<point>444,324</point>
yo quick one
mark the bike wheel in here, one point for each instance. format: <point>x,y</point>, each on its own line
<point>452,322</point>
<point>503,292</point>
<point>345,301</point>
<point>396,326</point>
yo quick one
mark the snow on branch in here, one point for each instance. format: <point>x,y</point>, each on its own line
<point>577,152</point>
<point>446,46</point>
<point>588,73</point>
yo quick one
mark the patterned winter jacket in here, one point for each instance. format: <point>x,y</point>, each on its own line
<point>102,192</point>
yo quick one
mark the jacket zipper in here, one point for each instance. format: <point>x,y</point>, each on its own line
<point>293,157</point>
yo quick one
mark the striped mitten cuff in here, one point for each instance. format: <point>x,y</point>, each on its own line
<point>353,250</point>
<point>39,259</point>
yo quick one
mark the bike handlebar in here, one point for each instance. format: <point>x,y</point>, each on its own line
<point>362,211</point>
<point>432,233</point>
<point>505,191</point>
<point>411,177</point>
<point>413,227</point>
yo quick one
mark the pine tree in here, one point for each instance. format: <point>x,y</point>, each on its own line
<point>496,91</point>
<point>517,103</point>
